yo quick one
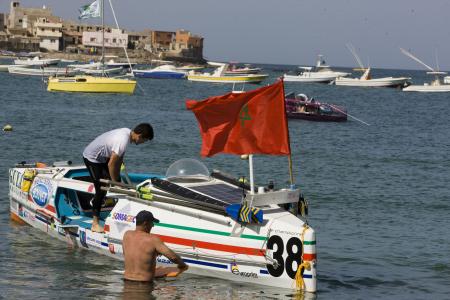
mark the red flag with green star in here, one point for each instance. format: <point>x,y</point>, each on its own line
<point>252,122</point>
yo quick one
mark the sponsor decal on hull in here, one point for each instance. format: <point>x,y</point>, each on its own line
<point>41,191</point>
<point>235,270</point>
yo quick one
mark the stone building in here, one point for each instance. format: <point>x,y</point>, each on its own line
<point>114,38</point>
<point>49,33</point>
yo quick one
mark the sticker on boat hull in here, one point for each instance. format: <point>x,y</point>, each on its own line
<point>41,191</point>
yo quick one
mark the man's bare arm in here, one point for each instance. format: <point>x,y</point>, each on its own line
<point>114,166</point>
<point>164,250</point>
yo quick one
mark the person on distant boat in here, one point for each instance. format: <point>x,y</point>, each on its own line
<point>140,249</point>
<point>104,156</point>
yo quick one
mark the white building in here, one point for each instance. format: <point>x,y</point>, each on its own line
<point>116,38</point>
<point>49,33</point>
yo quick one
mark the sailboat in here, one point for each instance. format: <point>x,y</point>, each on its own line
<point>91,84</point>
<point>366,79</point>
<point>435,86</point>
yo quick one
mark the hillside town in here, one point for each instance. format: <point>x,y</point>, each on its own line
<point>26,29</point>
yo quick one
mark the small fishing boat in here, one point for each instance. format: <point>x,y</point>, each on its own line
<point>437,85</point>
<point>37,61</point>
<point>366,81</point>
<point>91,84</point>
<point>42,71</point>
<point>234,69</point>
<point>161,72</point>
<point>299,106</point>
<point>4,68</point>
<point>218,76</point>
<point>320,73</point>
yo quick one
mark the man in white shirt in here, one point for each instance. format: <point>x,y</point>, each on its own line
<point>104,156</point>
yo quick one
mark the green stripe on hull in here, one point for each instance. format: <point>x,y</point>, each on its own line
<point>245,236</point>
<point>309,242</point>
<point>222,233</point>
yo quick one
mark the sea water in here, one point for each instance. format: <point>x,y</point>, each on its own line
<point>378,194</point>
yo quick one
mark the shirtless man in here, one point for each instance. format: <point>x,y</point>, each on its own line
<point>140,249</point>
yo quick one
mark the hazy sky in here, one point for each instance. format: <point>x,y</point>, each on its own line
<point>291,31</point>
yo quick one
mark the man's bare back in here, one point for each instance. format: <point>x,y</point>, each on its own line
<point>140,250</point>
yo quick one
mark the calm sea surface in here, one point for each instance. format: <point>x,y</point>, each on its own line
<point>379,194</point>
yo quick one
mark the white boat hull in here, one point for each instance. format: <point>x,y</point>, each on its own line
<point>308,78</point>
<point>41,72</point>
<point>211,244</point>
<point>37,62</point>
<point>378,82</point>
<point>428,88</point>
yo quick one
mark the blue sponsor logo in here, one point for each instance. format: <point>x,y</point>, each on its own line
<point>40,194</point>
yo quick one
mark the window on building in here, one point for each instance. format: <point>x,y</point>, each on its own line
<point>92,39</point>
<point>114,40</point>
<point>52,41</point>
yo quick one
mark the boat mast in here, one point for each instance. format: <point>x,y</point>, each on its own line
<point>103,37</point>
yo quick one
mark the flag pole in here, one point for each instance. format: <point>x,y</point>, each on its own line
<point>291,173</point>
<point>250,166</point>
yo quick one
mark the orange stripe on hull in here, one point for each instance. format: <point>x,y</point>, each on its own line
<point>309,257</point>
<point>211,246</point>
<point>17,219</point>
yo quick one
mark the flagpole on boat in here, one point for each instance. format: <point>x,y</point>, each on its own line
<point>103,37</point>
<point>291,173</point>
<point>250,166</point>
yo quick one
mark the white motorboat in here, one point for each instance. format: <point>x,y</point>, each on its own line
<point>218,76</point>
<point>320,73</point>
<point>160,72</point>
<point>203,217</point>
<point>36,61</point>
<point>4,68</point>
<point>435,86</point>
<point>366,81</point>
<point>234,69</point>
<point>42,71</point>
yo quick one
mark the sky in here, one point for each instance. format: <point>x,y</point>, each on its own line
<point>291,32</point>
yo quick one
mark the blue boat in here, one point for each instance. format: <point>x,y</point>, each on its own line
<point>161,72</point>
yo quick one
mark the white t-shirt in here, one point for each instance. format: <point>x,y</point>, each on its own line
<point>101,149</point>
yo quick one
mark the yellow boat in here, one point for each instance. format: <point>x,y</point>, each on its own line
<point>91,84</point>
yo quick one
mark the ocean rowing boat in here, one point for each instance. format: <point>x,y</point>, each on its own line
<point>218,226</point>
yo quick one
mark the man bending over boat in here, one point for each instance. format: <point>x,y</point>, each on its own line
<point>140,249</point>
<point>104,156</point>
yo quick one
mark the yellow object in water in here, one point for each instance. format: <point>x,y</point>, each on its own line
<point>28,177</point>
<point>91,84</point>
<point>7,127</point>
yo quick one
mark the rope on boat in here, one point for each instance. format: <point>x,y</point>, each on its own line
<point>349,115</point>
<point>305,265</point>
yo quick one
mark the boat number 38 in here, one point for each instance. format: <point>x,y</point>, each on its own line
<point>294,254</point>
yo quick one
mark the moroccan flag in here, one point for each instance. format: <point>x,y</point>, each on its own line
<point>244,123</point>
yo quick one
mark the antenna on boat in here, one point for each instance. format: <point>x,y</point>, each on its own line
<point>352,50</point>
<point>410,55</point>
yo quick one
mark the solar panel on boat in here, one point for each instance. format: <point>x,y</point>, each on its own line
<point>223,192</point>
